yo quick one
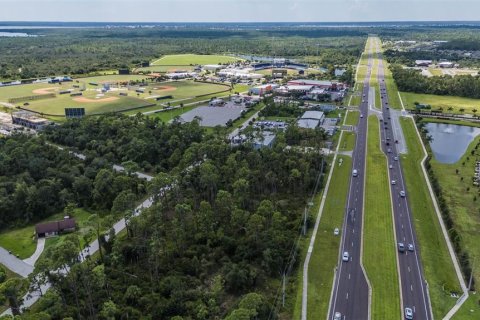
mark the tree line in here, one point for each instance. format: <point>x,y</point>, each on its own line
<point>413,81</point>
<point>38,180</point>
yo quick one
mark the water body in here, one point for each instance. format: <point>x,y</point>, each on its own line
<point>450,141</point>
<point>15,34</point>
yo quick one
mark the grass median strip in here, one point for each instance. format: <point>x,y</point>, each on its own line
<point>325,252</point>
<point>379,253</point>
<point>434,252</point>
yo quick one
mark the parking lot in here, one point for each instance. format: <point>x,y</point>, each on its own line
<point>214,116</point>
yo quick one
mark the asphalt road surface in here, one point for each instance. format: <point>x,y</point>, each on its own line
<point>413,286</point>
<point>350,291</point>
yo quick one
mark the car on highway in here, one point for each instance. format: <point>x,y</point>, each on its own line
<point>401,247</point>
<point>394,182</point>
<point>402,194</point>
<point>355,173</point>
<point>345,256</point>
<point>361,116</point>
<point>389,150</point>
<point>410,247</point>
<point>390,167</point>
<point>408,313</point>
<point>395,158</point>
<point>337,316</point>
<point>336,231</point>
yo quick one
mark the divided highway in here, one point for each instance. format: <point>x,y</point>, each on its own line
<point>350,296</point>
<point>413,286</point>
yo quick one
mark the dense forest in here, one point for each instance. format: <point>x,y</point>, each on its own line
<point>38,180</point>
<point>143,142</point>
<point>87,51</point>
<point>410,80</point>
<point>213,246</point>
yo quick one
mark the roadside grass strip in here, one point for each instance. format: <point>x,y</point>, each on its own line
<point>325,251</point>
<point>352,118</point>
<point>348,141</point>
<point>437,264</point>
<point>379,251</point>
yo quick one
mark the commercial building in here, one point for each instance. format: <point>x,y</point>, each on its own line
<point>311,119</point>
<point>263,89</point>
<point>212,67</point>
<point>325,84</point>
<point>423,63</point>
<point>446,64</point>
<point>29,120</point>
<point>54,228</point>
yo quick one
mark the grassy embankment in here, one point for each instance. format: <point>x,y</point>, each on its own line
<point>433,248</point>
<point>379,252</point>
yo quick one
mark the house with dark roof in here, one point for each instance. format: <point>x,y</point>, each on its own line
<point>54,228</point>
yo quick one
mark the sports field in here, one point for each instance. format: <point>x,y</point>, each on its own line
<point>192,59</point>
<point>122,96</point>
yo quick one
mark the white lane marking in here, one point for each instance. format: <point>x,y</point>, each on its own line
<point>347,295</point>
<point>409,269</point>
<point>349,276</point>
<point>411,288</point>
<point>352,243</point>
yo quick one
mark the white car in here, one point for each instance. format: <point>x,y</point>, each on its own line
<point>361,116</point>
<point>394,182</point>
<point>336,231</point>
<point>337,316</point>
<point>402,194</point>
<point>396,158</point>
<point>408,313</point>
<point>390,166</point>
<point>345,256</point>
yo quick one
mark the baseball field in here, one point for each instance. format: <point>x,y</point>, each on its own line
<point>124,92</point>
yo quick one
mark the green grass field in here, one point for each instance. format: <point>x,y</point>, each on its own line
<point>192,59</point>
<point>461,199</point>
<point>164,69</point>
<point>325,253</point>
<point>445,102</point>
<point>470,309</point>
<point>111,101</point>
<point>378,239</point>
<point>433,248</point>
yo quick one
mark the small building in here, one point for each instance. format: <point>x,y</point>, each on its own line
<point>123,71</point>
<point>325,84</point>
<point>54,228</point>
<point>446,64</point>
<point>29,120</point>
<point>266,140</point>
<point>423,63</point>
<point>212,67</point>
<point>311,119</point>
<point>299,88</point>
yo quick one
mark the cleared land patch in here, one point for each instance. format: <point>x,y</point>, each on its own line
<point>444,102</point>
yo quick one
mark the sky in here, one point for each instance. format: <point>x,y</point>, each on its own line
<point>239,10</point>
